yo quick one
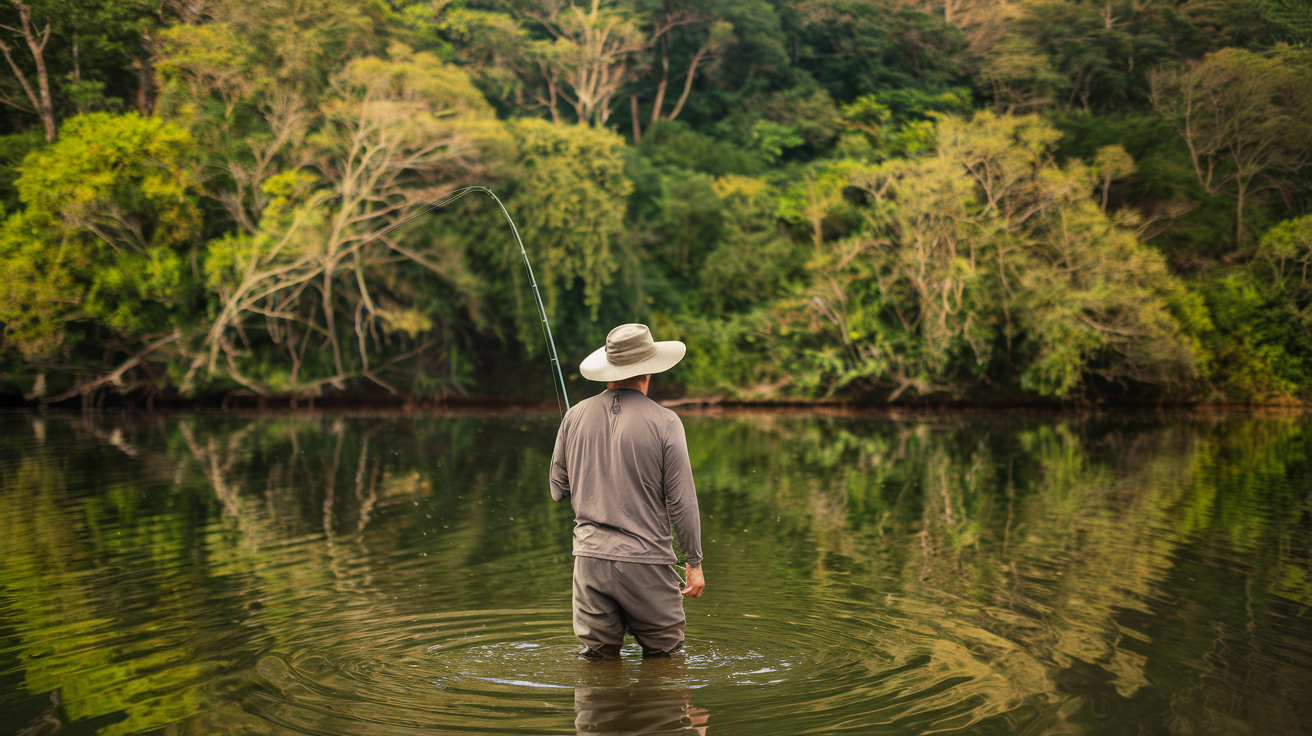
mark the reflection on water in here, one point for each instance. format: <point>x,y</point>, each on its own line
<point>656,701</point>
<point>388,575</point>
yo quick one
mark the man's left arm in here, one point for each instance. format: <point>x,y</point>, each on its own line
<point>681,501</point>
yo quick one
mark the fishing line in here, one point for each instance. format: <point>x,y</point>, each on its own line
<point>558,382</point>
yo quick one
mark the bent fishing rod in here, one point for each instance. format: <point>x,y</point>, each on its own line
<point>558,382</point>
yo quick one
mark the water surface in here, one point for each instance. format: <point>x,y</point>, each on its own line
<point>396,575</point>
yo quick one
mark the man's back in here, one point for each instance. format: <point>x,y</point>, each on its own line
<point>622,460</point>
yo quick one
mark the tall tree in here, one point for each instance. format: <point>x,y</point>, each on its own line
<point>36,39</point>
<point>588,56</point>
<point>392,134</point>
<point>718,36</point>
<point>988,253</point>
<point>1246,119</point>
<point>100,252</point>
<point>982,22</point>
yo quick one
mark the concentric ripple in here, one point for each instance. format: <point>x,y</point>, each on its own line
<point>517,671</point>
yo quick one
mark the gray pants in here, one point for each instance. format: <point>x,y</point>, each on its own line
<point>610,596</point>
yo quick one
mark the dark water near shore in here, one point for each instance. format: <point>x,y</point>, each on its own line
<point>390,575</point>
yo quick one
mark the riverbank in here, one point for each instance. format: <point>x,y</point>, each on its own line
<point>702,406</point>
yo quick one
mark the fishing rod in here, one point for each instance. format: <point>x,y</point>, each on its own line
<point>558,383</point>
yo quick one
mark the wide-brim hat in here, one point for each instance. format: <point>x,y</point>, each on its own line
<point>630,351</point>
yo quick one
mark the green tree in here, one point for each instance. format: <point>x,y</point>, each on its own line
<point>985,257</point>
<point>392,135</point>
<point>753,260</point>
<point>856,48</point>
<point>37,91</point>
<point>1246,118</point>
<point>1104,50</point>
<point>1028,255</point>
<point>566,53</point>
<point>570,200</point>
<point>105,240</point>
<point>1020,76</point>
<point>75,56</point>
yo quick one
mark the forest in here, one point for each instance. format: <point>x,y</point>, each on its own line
<point>873,201</point>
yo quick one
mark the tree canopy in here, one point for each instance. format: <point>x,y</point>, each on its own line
<point>868,200</point>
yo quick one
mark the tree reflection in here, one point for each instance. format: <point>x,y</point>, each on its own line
<point>1132,570</point>
<point>1046,551</point>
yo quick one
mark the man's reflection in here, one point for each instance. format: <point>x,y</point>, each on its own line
<point>658,703</point>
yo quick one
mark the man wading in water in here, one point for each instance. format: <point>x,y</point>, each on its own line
<point>622,461</point>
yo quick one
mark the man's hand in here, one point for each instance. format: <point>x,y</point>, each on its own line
<point>695,583</point>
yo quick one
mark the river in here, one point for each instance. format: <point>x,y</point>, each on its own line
<point>391,574</point>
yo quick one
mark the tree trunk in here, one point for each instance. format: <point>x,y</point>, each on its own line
<point>145,103</point>
<point>40,99</point>
<point>47,108</point>
<point>687,81</point>
<point>330,317</point>
<point>637,124</point>
<point>1240,191</point>
<point>660,88</point>
<point>551,90</point>
<point>143,98</point>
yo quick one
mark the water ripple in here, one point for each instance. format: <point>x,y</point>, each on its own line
<point>360,576</point>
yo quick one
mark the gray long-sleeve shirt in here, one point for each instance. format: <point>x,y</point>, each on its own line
<point>622,461</point>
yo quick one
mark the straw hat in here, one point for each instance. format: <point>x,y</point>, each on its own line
<point>630,352</point>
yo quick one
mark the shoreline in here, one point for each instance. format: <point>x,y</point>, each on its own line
<point>683,406</point>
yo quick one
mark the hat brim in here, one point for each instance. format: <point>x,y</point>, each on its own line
<point>668,353</point>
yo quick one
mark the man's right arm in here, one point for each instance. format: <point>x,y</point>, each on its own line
<point>696,583</point>
<point>559,471</point>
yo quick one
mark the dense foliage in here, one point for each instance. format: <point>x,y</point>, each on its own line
<point>866,199</point>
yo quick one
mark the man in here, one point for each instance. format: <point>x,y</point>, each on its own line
<point>622,461</point>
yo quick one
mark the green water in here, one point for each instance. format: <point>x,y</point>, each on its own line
<point>389,575</point>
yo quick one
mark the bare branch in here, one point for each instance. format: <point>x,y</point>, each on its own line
<point>116,375</point>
